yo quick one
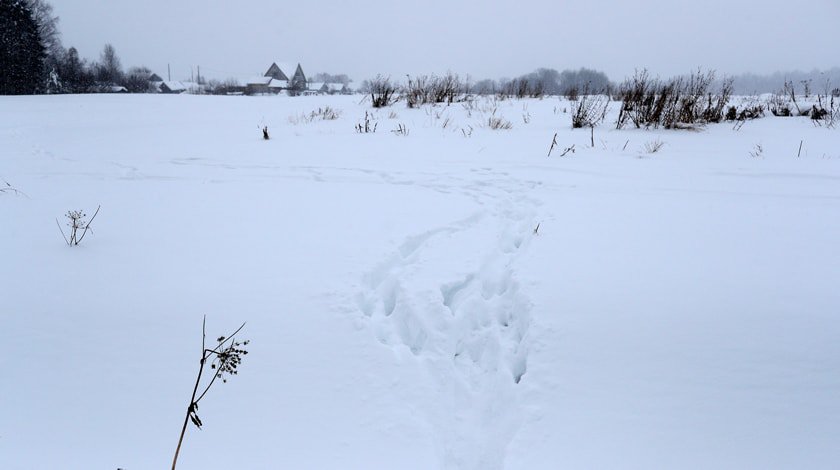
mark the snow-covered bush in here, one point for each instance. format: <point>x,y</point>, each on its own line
<point>382,91</point>
<point>749,109</point>
<point>427,89</point>
<point>826,111</point>
<point>588,110</point>
<point>676,103</point>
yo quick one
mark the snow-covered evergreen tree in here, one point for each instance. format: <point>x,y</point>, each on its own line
<point>47,22</point>
<point>22,53</point>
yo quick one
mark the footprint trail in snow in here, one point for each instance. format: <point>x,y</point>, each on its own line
<point>449,301</point>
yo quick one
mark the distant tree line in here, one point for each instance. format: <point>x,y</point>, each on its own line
<point>546,81</point>
<point>331,78</point>
<point>816,81</point>
<point>422,89</point>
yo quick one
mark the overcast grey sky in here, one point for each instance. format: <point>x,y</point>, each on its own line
<point>482,38</point>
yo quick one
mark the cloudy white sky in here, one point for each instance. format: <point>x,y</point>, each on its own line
<point>482,38</point>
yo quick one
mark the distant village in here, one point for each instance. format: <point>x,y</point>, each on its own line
<point>274,81</point>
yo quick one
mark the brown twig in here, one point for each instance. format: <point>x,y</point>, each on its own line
<point>568,149</point>
<point>553,144</point>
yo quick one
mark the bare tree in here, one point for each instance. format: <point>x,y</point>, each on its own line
<point>109,69</point>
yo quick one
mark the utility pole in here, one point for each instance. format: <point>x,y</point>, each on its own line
<point>168,73</point>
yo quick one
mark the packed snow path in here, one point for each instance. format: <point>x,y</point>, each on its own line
<point>463,316</point>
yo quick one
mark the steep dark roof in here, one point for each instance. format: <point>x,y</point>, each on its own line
<point>276,72</point>
<point>299,79</point>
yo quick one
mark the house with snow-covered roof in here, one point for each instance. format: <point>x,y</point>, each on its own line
<point>276,86</point>
<point>278,71</point>
<point>258,85</point>
<point>317,87</point>
<point>172,87</point>
<point>337,89</point>
<point>296,83</point>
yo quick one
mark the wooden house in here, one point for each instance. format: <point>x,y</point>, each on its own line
<point>279,80</point>
<point>337,89</point>
<point>298,81</point>
<point>172,87</point>
<point>317,88</point>
<point>258,85</point>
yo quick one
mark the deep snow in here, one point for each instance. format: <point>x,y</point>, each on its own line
<point>674,310</point>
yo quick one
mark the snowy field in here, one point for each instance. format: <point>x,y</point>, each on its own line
<point>676,309</point>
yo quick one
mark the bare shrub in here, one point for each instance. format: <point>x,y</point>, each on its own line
<point>449,88</point>
<point>716,103</point>
<point>382,92</point>
<point>417,91</point>
<point>679,102</point>
<point>427,89</point>
<point>588,110</point>
<point>641,100</point>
